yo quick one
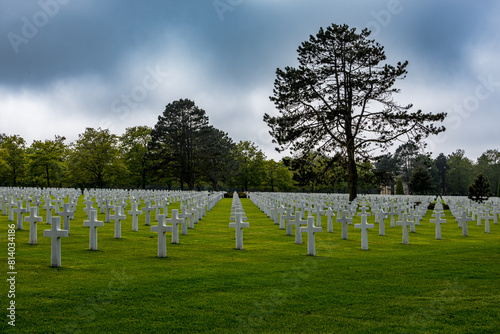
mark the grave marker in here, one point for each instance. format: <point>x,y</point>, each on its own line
<point>93,224</point>
<point>438,221</point>
<point>135,212</point>
<point>364,226</point>
<point>175,221</point>
<point>55,233</point>
<point>33,219</point>
<point>118,217</point>
<point>238,225</point>
<point>161,229</point>
<point>310,229</point>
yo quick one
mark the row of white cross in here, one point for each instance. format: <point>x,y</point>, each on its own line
<point>198,204</point>
<point>291,208</point>
<point>238,216</point>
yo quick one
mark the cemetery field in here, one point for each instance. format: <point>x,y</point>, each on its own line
<point>271,286</point>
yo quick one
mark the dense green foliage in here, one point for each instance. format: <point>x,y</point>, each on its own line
<point>101,158</point>
<point>271,286</point>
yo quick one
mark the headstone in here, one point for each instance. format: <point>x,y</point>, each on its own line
<point>107,209</point>
<point>55,233</point>
<point>487,218</point>
<point>88,206</point>
<point>282,212</point>
<point>33,219</point>
<point>135,219</point>
<point>288,216</point>
<point>310,229</point>
<point>147,210</point>
<point>438,221</point>
<point>93,224</point>
<point>344,220</point>
<point>381,222</point>
<point>238,225</point>
<point>329,213</point>
<point>404,222</point>
<point>161,229</point>
<point>118,217</point>
<point>392,213</point>
<point>66,215</point>
<point>19,210</point>
<point>364,232</point>
<point>175,221</point>
<point>184,215</point>
<point>297,221</point>
<point>11,205</point>
<point>318,212</point>
<point>495,211</point>
<point>48,209</point>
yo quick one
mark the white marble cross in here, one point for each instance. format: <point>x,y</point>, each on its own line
<point>93,224</point>
<point>238,225</point>
<point>495,211</point>
<point>66,215</point>
<point>55,233</point>
<point>364,232</point>
<point>404,222</point>
<point>184,215</point>
<point>381,222</point>
<point>282,212</point>
<point>19,210</point>
<point>310,229</point>
<point>88,206</point>
<point>33,219</point>
<point>288,216</point>
<point>392,213</point>
<point>297,221</point>
<point>135,219</point>
<point>344,220</point>
<point>175,221</point>
<point>318,212</point>
<point>118,217</point>
<point>192,217</point>
<point>487,218</point>
<point>107,209</point>
<point>48,209</point>
<point>147,210</point>
<point>11,205</point>
<point>161,229</point>
<point>411,217</point>
<point>329,213</point>
<point>438,221</point>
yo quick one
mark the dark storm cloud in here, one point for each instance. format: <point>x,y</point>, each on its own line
<point>93,59</point>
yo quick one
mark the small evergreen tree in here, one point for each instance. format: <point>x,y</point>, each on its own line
<point>480,189</point>
<point>498,190</point>
<point>421,180</point>
<point>399,187</point>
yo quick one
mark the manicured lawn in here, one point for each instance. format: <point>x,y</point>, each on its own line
<point>271,286</point>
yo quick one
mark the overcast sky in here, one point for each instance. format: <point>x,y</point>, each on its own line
<point>70,64</point>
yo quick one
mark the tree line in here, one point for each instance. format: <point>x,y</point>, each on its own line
<point>444,175</point>
<point>183,151</point>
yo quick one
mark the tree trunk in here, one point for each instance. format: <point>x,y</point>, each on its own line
<point>352,171</point>
<point>48,176</point>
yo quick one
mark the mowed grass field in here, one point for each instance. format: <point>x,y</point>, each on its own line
<point>271,286</point>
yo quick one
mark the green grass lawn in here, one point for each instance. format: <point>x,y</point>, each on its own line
<point>271,286</point>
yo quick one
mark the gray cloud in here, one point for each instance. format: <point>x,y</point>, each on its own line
<point>84,56</point>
